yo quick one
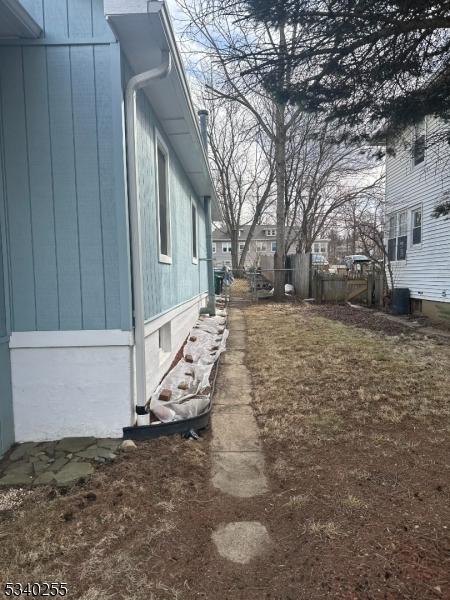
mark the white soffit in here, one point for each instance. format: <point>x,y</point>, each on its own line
<point>144,30</point>
<point>16,22</point>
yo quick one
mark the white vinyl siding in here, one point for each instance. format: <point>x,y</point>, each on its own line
<point>426,270</point>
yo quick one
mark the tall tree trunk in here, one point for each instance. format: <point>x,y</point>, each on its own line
<point>280,178</point>
<point>234,249</point>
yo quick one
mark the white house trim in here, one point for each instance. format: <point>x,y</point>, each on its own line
<point>70,339</point>
<point>158,321</point>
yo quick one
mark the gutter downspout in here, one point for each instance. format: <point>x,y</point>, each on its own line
<point>211,308</point>
<point>136,83</point>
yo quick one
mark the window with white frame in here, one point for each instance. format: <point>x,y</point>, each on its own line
<point>214,247</point>
<point>316,248</point>
<point>162,181</point>
<point>398,236</point>
<point>274,246</point>
<point>419,143</point>
<point>194,220</point>
<point>226,247</point>
<point>416,226</point>
<point>323,249</point>
<point>271,232</point>
<point>241,246</point>
<point>261,247</point>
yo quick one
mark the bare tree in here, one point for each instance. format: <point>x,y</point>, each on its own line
<point>220,39</point>
<point>243,175</point>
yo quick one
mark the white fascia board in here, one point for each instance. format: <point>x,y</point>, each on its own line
<point>71,339</point>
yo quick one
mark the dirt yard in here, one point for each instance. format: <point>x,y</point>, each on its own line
<point>355,427</point>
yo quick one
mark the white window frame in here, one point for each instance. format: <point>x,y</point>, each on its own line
<point>397,233</point>
<point>259,244</point>
<point>194,207</point>
<point>214,248</point>
<point>226,247</point>
<point>271,232</point>
<point>161,145</point>
<point>272,249</point>
<point>241,246</point>
<point>414,210</point>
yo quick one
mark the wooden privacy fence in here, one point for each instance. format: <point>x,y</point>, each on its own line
<point>366,288</point>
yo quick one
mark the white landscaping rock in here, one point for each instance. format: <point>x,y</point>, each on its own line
<point>128,446</point>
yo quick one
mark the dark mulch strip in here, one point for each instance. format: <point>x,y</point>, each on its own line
<point>362,318</point>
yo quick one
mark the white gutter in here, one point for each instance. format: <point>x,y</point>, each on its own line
<point>134,84</point>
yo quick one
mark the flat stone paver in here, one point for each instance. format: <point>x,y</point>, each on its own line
<point>235,432</point>
<point>241,542</point>
<point>232,357</point>
<point>238,467</point>
<point>239,474</point>
<point>62,462</point>
<point>237,340</point>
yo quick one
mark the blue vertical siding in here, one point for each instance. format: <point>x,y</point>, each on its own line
<point>60,104</point>
<point>63,20</point>
<point>6,409</point>
<point>167,285</point>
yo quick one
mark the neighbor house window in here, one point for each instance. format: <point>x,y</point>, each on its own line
<point>194,232</point>
<point>416,218</point>
<point>163,202</point>
<point>274,246</point>
<point>419,143</point>
<point>323,249</point>
<point>316,248</point>
<point>226,248</point>
<point>241,246</point>
<point>398,236</point>
<point>271,232</point>
<point>214,247</point>
<point>260,247</point>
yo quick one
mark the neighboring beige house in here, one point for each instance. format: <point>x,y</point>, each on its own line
<point>417,179</point>
<point>262,244</point>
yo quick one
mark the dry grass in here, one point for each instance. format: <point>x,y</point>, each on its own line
<point>322,378</point>
<point>327,529</point>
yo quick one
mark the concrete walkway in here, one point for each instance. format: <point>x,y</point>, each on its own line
<point>238,467</point>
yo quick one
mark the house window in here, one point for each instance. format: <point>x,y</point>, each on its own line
<point>271,232</point>
<point>241,246</point>
<point>226,247</point>
<point>274,246</point>
<point>194,233</point>
<point>261,247</point>
<point>163,203</point>
<point>214,247</point>
<point>416,218</point>
<point>241,231</point>
<point>323,249</point>
<point>316,248</point>
<point>419,143</point>
<point>165,342</point>
<point>398,236</point>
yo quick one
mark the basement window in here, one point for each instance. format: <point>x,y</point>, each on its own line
<point>165,342</point>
